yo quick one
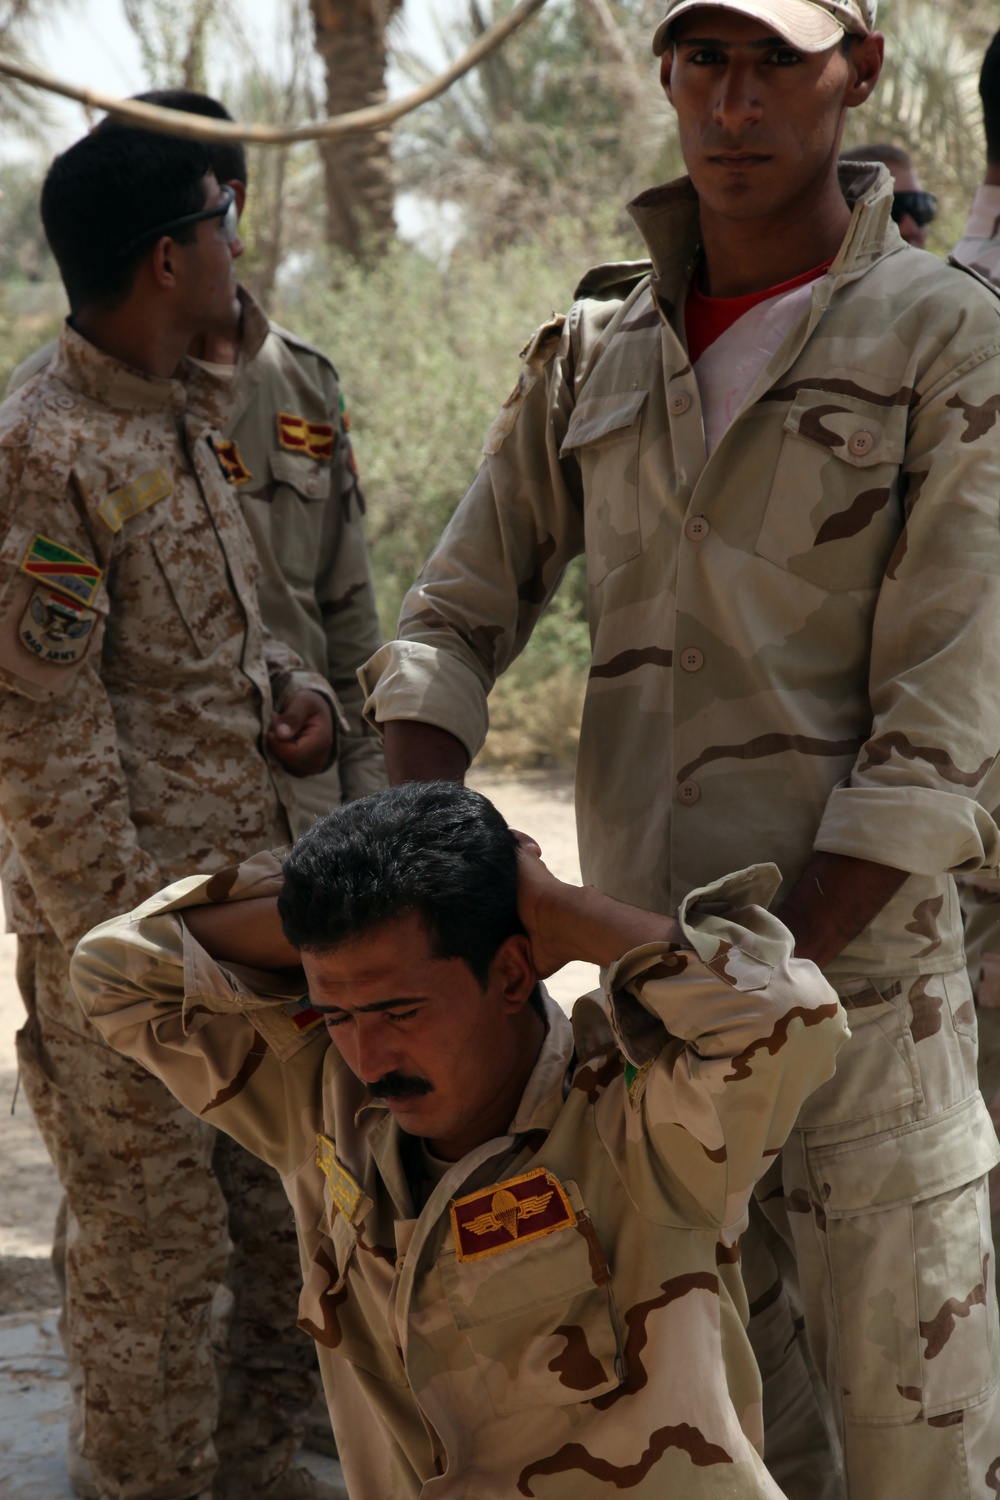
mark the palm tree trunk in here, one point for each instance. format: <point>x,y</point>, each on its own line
<point>350,38</point>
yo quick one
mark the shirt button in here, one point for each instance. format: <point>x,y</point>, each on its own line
<point>311,485</point>
<point>688,792</point>
<point>65,403</point>
<point>679,403</point>
<point>692,660</point>
<point>860,443</point>
<point>695,528</point>
<point>401,1262</point>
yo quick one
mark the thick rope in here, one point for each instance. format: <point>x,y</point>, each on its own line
<point>199,128</point>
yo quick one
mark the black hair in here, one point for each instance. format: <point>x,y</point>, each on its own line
<point>434,848</point>
<point>889,156</point>
<point>103,192</point>
<point>989,93</point>
<point>229,160</point>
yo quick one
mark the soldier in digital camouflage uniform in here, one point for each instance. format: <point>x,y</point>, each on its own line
<point>794,595</point>
<point>278,400</point>
<point>137,688</point>
<point>520,1232</point>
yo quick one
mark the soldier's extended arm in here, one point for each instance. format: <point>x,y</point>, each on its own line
<point>63,793</point>
<point>346,601</point>
<point>496,566</point>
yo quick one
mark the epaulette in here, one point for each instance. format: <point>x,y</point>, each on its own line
<point>975,273</point>
<point>303,346</point>
<point>617,278</point>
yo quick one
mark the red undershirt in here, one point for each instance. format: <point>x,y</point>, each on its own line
<point>705,318</point>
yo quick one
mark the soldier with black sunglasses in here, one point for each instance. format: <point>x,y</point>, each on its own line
<point>913,209</point>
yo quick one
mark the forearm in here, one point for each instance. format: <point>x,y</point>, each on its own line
<point>244,932</point>
<point>835,899</point>
<point>422,752</point>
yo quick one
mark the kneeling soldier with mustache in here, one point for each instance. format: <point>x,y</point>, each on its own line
<point>520,1232</point>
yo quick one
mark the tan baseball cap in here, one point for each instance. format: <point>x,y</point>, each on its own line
<point>809,25</point>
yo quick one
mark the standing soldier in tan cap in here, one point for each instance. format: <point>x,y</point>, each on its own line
<point>148,721</point>
<point>776,444</point>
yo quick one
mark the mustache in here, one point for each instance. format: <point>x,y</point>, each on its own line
<point>400,1086</point>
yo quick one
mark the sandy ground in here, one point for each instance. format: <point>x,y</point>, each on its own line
<point>32,1368</point>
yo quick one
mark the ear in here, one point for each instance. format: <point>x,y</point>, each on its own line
<point>162,263</point>
<point>865,61</point>
<point>512,972</point>
<point>666,63</point>
<point>240,192</point>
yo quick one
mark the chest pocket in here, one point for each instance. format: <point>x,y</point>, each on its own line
<point>603,435</point>
<point>539,1318</point>
<point>833,515</point>
<point>300,487</point>
<point>203,596</point>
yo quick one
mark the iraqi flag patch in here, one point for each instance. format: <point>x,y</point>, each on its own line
<point>61,568</point>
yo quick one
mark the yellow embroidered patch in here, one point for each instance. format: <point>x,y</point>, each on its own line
<point>509,1213</point>
<point>143,492</point>
<point>344,1191</point>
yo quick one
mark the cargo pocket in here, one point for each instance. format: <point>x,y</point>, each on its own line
<point>907,1222</point>
<point>539,1318</point>
<point>603,434</point>
<point>833,515</point>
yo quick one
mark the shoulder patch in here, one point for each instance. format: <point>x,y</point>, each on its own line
<point>510,1213</point>
<point>138,496</point>
<point>61,568</point>
<point>615,279</point>
<point>56,629</point>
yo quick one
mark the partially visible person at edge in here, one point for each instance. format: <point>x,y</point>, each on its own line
<point>149,724</point>
<point>279,403</point>
<point>775,444</point>
<point>979,248</point>
<point>913,208</point>
<point>978,251</point>
<point>520,1232</point>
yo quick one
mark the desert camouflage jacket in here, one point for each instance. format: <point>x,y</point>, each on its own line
<point>563,1318</point>
<point>291,459</point>
<point>979,248</point>
<point>791,637</point>
<point>136,677</point>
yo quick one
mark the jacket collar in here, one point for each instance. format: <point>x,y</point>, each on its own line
<point>84,368</point>
<point>667,219</point>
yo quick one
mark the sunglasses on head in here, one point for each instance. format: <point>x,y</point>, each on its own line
<point>226,210</point>
<point>921,207</point>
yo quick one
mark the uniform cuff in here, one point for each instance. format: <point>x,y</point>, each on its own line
<point>916,829</point>
<point>410,680</point>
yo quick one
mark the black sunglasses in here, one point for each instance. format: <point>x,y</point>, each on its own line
<point>921,207</point>
<point>225,209</point>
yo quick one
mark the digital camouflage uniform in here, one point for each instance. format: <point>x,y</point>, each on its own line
<point>136,682</point>
<point>563,1319</point>
<point>788,641</point>
<point>297,481</point>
